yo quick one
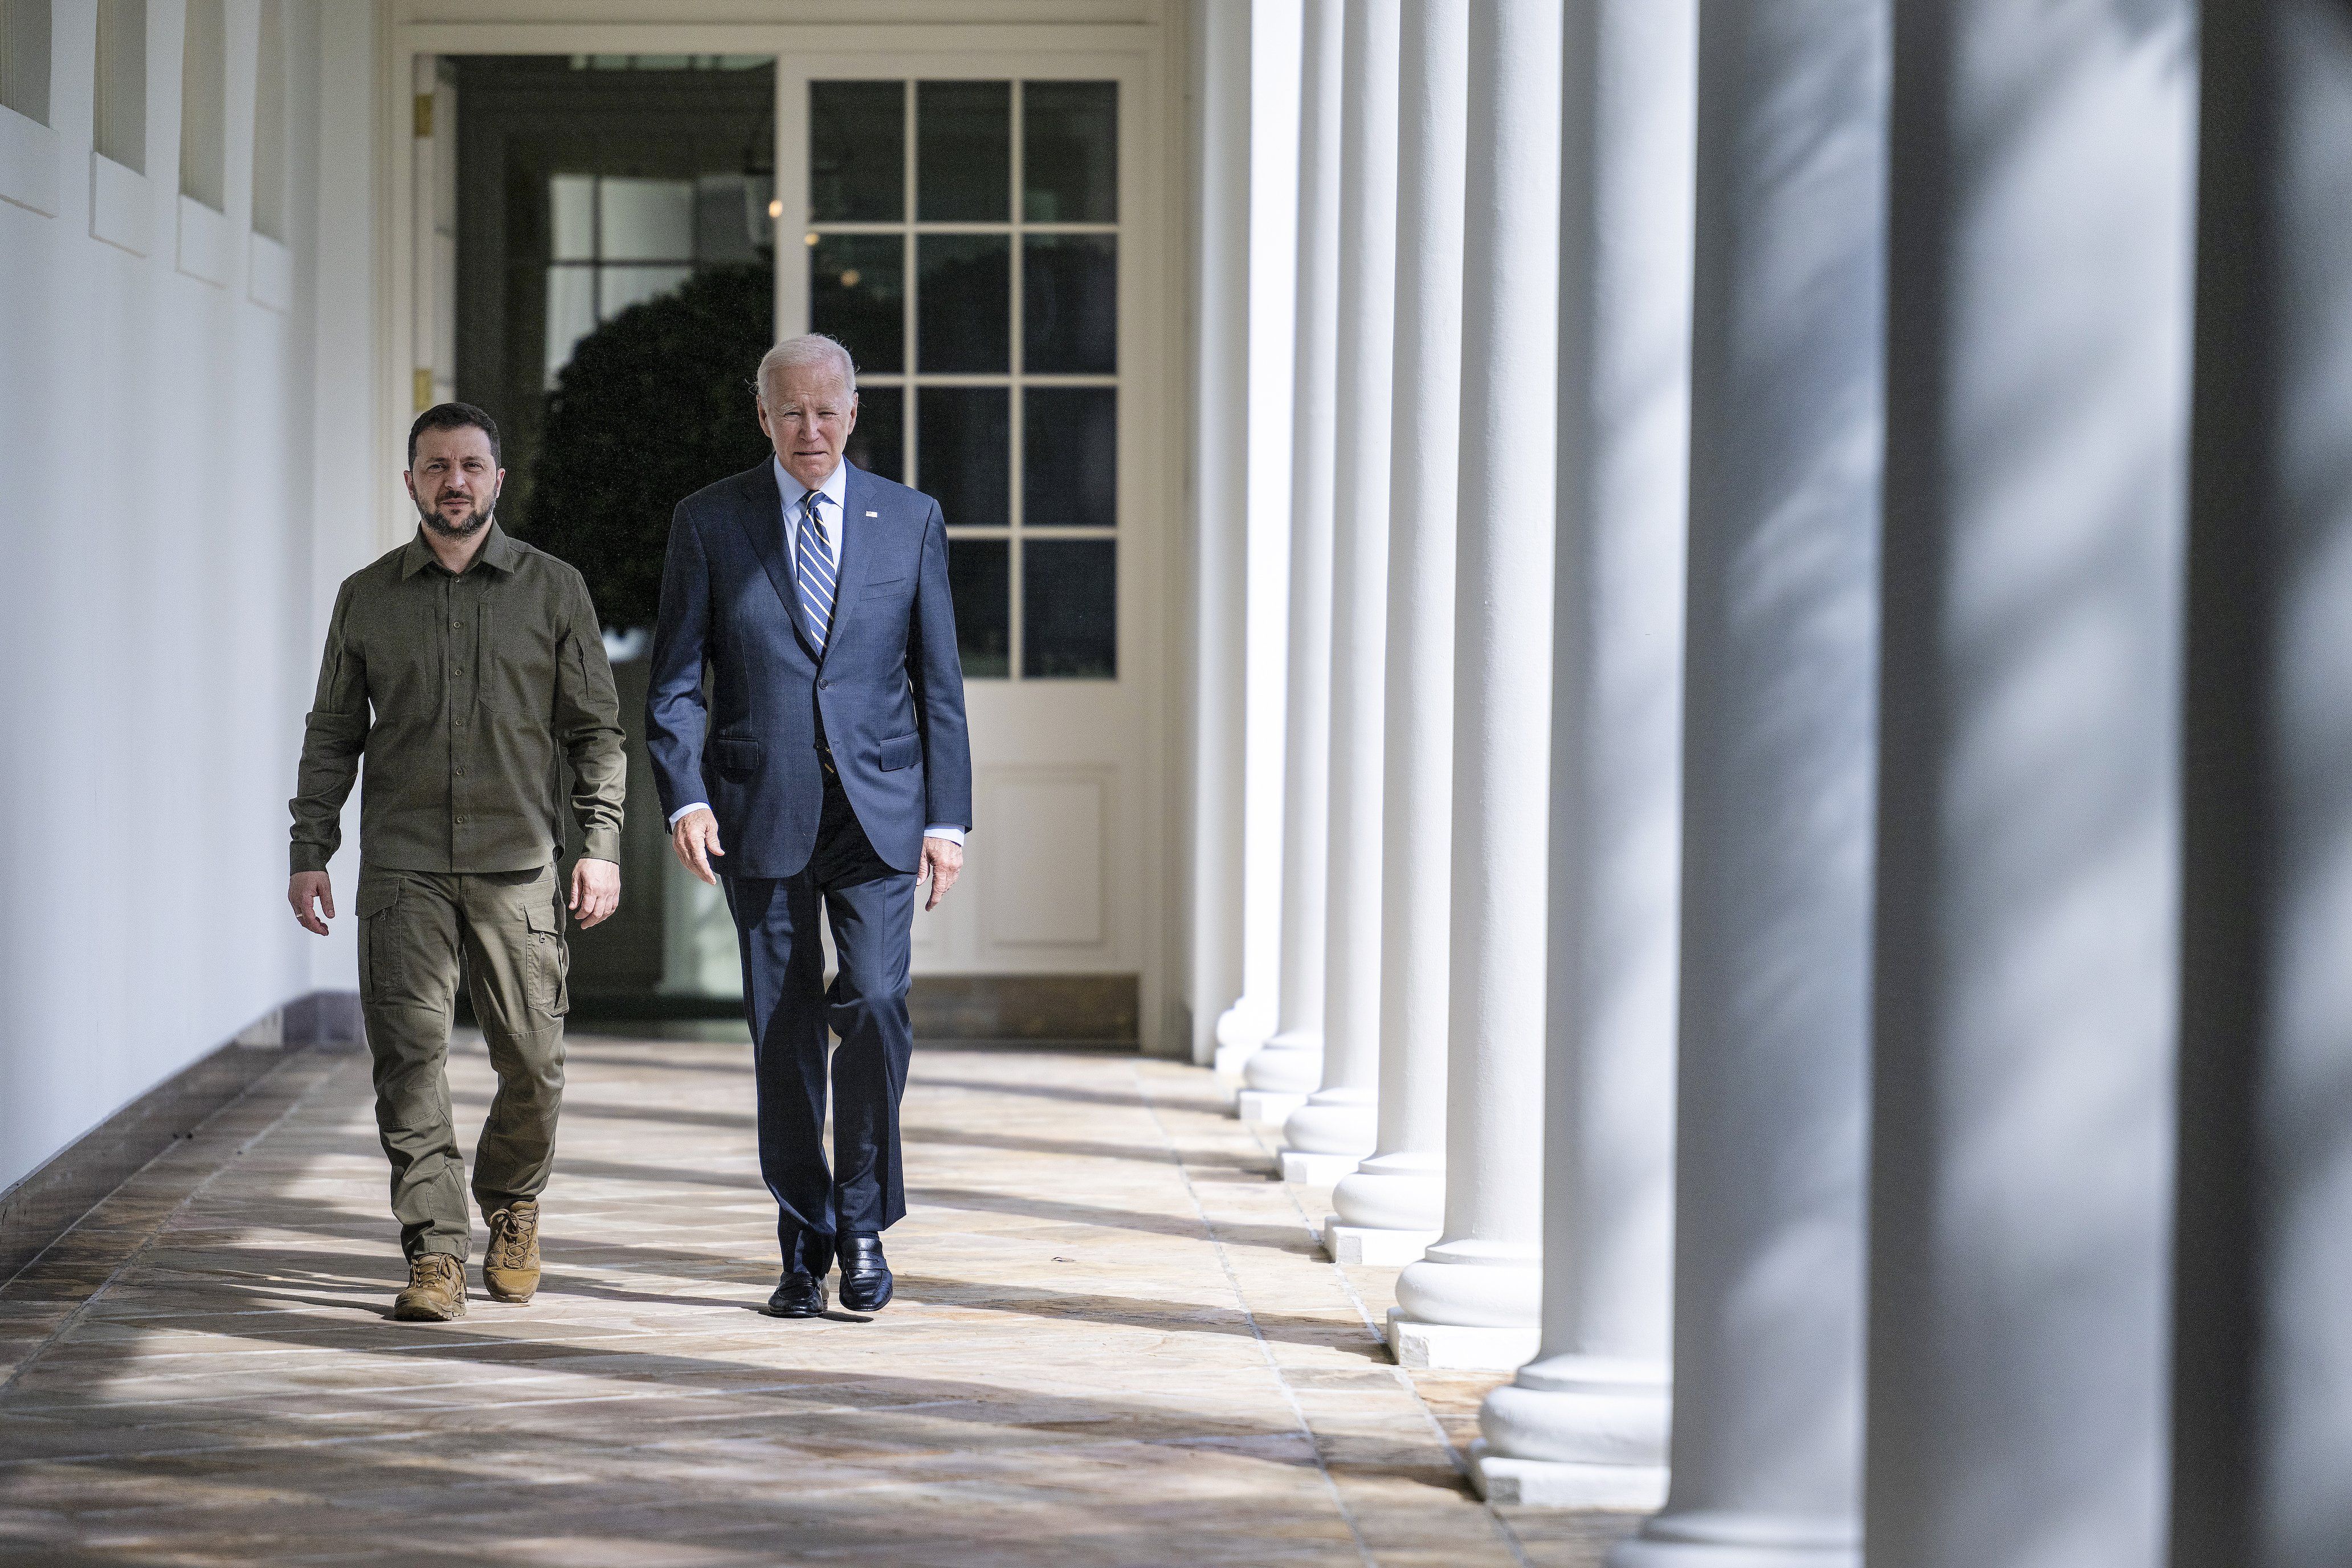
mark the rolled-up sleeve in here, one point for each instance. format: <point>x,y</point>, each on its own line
<point>588,724</point>
<point>335,737</point>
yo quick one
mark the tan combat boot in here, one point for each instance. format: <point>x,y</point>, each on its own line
<point>510,1262</point>
<point>436,1291</point>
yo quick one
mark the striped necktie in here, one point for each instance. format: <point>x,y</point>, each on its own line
<point>814,571</point>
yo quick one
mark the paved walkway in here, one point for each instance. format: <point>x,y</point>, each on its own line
<point>1113,1342</point>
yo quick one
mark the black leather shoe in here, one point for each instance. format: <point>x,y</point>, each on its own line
<point>865,1275</point>
<point>802,1295</point>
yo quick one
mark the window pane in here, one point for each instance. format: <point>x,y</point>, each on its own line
<point>618,287</point>
<point>571,216</point>
<point>1069,604</point>
<point>858,151</point>
<point>645,220</point>
<point>979,579</point>
<point>1069,302</point>
<point>963,150</point>
<point>963,443</point>
<point>730,217</point>
<point>963,303</point>
<point>203,104</point>
<point>879,445</point>
<point>25,27</point>
<point>857,294</point>
<point>268,108</point>
<point>121,121</point>
<point>1069,457</point>
<point>1069,151</point>
<point>570,313</point>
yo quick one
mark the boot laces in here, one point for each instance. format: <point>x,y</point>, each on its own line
<point>512,1234</point>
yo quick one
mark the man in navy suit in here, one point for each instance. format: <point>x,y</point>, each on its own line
<point>831,759</point>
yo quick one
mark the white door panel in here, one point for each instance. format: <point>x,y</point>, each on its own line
<point>1058,565</point>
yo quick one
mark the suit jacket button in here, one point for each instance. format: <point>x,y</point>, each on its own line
<point>823,685</point>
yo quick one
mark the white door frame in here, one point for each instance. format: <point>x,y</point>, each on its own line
<point>1153,559</point>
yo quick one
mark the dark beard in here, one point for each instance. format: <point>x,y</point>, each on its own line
<point>474,523</point>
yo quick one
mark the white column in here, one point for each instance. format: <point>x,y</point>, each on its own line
<point>1221,72</point>
<point>2026,898</point>
<point>1584,1425</point>
<point>1328,1136</point>
<point>1393,1206</point>
<point>2262,1420</point>
<point>1472,1301</point>
<point>1274,31</point>
<point>1282,1071</point>
<point>1780,721</point>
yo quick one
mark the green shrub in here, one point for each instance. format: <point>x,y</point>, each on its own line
<point>656,404</point>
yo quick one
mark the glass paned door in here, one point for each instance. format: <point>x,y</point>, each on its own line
<point>963,242</point>
<point>985,237</point>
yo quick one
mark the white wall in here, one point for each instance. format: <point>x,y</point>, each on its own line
<point>183,482</point>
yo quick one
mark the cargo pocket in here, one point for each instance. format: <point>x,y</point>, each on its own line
<point>383,956</point>
<point>548,970</point>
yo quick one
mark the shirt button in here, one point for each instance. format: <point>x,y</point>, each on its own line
<point>453,626</point>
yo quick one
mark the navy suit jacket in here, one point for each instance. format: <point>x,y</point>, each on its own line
<point>889,686</point>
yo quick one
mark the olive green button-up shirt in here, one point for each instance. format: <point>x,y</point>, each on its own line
<point>459,691</point>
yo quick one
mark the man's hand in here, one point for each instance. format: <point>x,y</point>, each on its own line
<point>696,839</point>
<point>301,890</point>
<point>595,891</point>
<point>942,863</point>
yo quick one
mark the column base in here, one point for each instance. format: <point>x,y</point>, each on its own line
<point>1394,1192</point>
<point>1241,1032</point>
<point>1460,1347</point>
<point>1316,1170</point>
<point>1265,1108</point>
<point>1705,1540</point>
<point>1334,1121</point>
<point>1559,1483</point>
<point>1372,1246</point>
<point>1290,1063</point>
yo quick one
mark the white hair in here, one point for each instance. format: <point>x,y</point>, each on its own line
<point>809,349</point>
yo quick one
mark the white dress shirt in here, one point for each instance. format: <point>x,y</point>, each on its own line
<point>833,503</point>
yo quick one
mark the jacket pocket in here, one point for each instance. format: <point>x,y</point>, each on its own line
<point>875,590</point>
<point>547,965</point>
<point>900,751</point>
<point>735,756</point>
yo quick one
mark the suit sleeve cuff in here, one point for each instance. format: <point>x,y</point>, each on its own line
<point>601,844</point>
<point>941,830</point>
<point>682,811</point>
<point>306,857</point>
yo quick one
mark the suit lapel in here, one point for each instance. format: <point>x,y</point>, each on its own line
<point>857,547</point>
<point>761,515</point>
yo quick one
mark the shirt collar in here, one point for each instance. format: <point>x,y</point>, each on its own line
<point>498,552</point>
<point>835,487</point>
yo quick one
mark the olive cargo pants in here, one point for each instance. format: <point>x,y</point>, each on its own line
<point>511,926</point>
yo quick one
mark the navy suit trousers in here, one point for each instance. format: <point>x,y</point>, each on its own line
<point>872,909</point>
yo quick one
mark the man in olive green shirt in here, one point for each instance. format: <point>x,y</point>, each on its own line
<point>459,666</point>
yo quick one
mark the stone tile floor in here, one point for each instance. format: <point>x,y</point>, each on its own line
<point>1114,1342</point>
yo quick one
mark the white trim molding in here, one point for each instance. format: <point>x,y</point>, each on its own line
<point>122,209</point>
<point>28,163</point>
<point>204,246</point>
<point>270,274</point>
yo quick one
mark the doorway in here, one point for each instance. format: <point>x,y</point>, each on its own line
<point>978,231</point>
